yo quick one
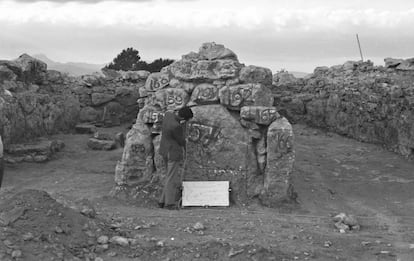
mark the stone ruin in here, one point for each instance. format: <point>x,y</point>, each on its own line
<point>369,103</point>
<point>236,134</point>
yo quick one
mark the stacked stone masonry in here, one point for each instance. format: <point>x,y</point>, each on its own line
<point>236,133</point>
<point>369,103</point>
<point>36,102</point>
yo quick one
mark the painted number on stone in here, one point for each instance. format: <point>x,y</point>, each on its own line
<point>202,133</point>
<point>283,142</point>
<point>137,148</point>
<point>156,84</point>
<point>174,100</point>
<point>239,96</point>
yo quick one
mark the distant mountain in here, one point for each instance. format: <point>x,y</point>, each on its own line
<point>71,68</point>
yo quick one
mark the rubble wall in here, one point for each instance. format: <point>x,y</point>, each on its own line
<point>35,102</point>
<point>369,103</point>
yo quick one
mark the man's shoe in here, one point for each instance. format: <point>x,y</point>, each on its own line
<point>171,207</point>
<point>160,205</point>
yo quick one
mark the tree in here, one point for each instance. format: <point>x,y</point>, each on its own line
<point>127,60</point>
<point>158,64</point>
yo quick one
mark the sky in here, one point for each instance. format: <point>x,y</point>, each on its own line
<point>295,35</point>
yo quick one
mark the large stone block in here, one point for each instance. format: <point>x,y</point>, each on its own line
<point>259,114</point>
<point>169,99</point>
<point>157,81</point>
<point>256,74</point>
<point>237,96</point>
<point>137,158</point>
<point>213,51</point>
<point>279,165</point>
<point>97,144</point>
<point>205,93</point>
<point>219,148</point>
<point>88,114</point>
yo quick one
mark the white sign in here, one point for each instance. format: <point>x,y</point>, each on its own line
<point>205,193</point>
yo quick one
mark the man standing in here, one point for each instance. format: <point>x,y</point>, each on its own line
<point>172,148</point>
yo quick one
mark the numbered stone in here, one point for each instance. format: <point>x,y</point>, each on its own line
<point>157,81</point>
<point>170,99</point>
<point>279,165</point>
<point>237,96</point>
<point>205,94</point>
<point>259,114</point>
<point>150,114</point>
<point>201,133</point>
<point>137,158</point>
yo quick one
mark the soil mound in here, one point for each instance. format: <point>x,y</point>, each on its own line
<point>33,226</point>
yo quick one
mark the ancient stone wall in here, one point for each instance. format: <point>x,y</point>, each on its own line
<point>33,102</point>
<point>36,102</point>
<point>369,103</point>
<point>236,133</point>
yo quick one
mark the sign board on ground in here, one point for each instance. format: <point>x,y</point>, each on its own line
<point>205,193</point>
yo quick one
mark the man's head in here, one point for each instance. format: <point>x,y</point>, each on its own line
<point>185,113</point>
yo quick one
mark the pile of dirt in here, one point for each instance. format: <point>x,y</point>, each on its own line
<point>33,226</point>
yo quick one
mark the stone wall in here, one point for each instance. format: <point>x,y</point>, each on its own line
<point>236,133</point>
<point>369,103</point>
<point>35,102</point>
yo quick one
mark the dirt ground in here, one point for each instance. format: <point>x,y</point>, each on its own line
<point>332,174</point>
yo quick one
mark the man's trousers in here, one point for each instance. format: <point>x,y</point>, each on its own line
<point>172,186</point>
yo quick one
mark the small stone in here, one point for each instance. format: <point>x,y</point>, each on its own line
<point>85,128</point>
<point>122,241</point>
<point>103,240</point>
<point>59,230</point>
<point>356,228</point>
<point>90,233</point>
<point>339,218</point>
<point>88,211</point>
<point>99,259</point>
<point>199,226</point>
<point>341,227</point>
<point>112,254</point>
<point>28,236</point>
<point>160,243</point>
<point>327,244</point>
<point>350,220</point>
<point>16,254</point>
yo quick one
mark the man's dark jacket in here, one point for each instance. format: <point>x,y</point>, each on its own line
<point>172,138</point>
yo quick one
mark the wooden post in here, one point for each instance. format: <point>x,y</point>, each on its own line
<point>359,46</point>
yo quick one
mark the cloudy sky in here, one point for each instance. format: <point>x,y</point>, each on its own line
<point>296,35</point>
